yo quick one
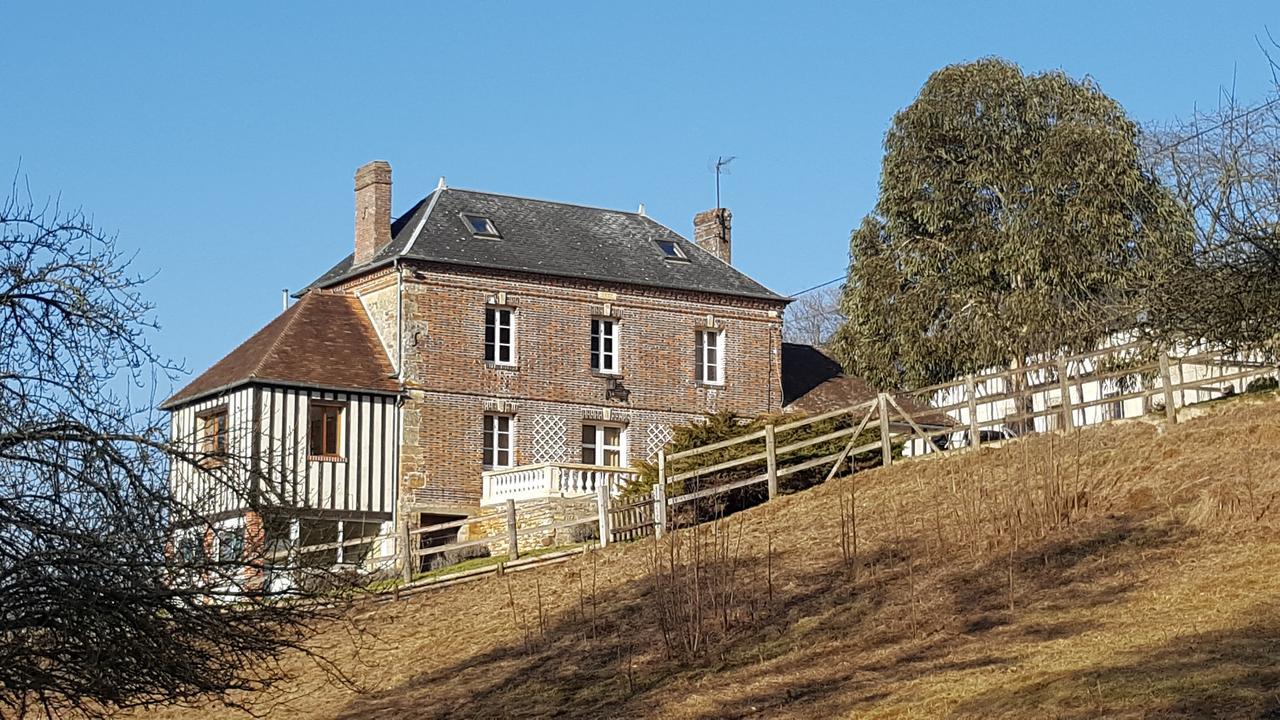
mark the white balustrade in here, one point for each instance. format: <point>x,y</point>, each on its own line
<point>528,482</point>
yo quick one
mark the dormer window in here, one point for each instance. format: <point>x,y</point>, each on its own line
<point>480,226</point>
<point>671,250</point>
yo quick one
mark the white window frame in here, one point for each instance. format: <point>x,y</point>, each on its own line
<point>604,361</point>
<point>710,355</point>
<point>490,231</point>
<point>598,445</point>
<point>676,254</point>
<point>1113,410</point>
<point>498,313</point>
<point>492,436</point>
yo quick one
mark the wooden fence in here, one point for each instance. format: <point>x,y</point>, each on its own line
<point>1085,389</point>
<point>774,456</point>
<point>630,519</point>
<point>1035,397</point>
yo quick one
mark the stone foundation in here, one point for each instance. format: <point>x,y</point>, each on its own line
<point>492,523</point>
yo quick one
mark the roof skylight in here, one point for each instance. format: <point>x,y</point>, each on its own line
<point>671,250</point>
<point>480,226</point>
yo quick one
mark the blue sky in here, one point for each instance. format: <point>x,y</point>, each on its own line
<point>219,140</point>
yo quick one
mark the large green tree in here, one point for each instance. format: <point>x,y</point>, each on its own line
<point>1014,218</point>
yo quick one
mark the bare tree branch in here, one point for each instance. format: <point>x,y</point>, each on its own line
<point>103,604</point>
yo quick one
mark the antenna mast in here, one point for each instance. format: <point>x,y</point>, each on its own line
<point>722,163</point>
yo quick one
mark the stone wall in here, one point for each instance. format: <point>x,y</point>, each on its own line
<point>378,295</point>
<point>491,522</point>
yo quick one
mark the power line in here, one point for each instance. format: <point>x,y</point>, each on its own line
<point>822,285</point>
<point>1217,126</point>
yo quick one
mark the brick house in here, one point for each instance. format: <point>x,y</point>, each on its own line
<point>476,335</point>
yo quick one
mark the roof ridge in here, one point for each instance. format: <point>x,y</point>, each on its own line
<point>551,202</point>
<point>426,215</point>
<point>275,342</point>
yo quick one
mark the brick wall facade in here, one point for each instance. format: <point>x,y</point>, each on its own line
<point>552,390</point>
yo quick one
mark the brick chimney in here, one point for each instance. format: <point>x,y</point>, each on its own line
<point>712,231</point>
<point>373,209</point>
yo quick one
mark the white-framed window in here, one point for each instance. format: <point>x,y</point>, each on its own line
<point>709,356</point>
<point>499,336</point>
<point>497,440</point>
<point>602,444</point>
<point>604,345</point>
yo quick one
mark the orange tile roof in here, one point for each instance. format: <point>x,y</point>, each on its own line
<point>325,340</point>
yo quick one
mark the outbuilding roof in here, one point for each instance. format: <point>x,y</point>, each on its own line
<point>323,340</point>
<point>813,382</point>
<point>552,238</point>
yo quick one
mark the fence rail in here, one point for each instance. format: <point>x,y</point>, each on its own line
<point>1040,396</point>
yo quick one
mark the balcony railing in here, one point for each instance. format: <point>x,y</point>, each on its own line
<point>528,482</point>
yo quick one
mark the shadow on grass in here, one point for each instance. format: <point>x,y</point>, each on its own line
<point>824,643</point>
<point>1218,674</point>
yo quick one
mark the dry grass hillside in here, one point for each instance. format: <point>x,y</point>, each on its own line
<point>1128,571</point>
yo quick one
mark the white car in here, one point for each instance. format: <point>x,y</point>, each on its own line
<point>958,439</point>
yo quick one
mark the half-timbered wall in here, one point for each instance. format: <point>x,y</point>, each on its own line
<point>214,489</point>
<point>360,483</point>
<point>363,481</point>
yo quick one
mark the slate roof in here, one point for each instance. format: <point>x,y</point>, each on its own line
<point>323,340</point>
<point>552,238</point>
<point>813,382</point>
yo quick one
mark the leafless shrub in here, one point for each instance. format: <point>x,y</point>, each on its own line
<point>697,586</point>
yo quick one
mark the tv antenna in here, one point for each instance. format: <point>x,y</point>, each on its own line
<point>722,167</point>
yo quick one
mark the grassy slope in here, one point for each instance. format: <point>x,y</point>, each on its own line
<point>1160,597</point>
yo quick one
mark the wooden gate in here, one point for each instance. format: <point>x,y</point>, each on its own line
<point>630,519</point>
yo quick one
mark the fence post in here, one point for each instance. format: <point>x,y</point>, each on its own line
<point>771,459</point>
<point>1064,382</point>
<point>406,553</point>
<point>660,496</point>
<point>1170,412</point>
<point>975,437</point>
<point>886,449</point>
<point>1182,382</point>
<point>513,549</point>
<point>602,505</point>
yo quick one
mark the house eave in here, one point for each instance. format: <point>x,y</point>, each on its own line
<point>171,404</point>
<point>780,300</point>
